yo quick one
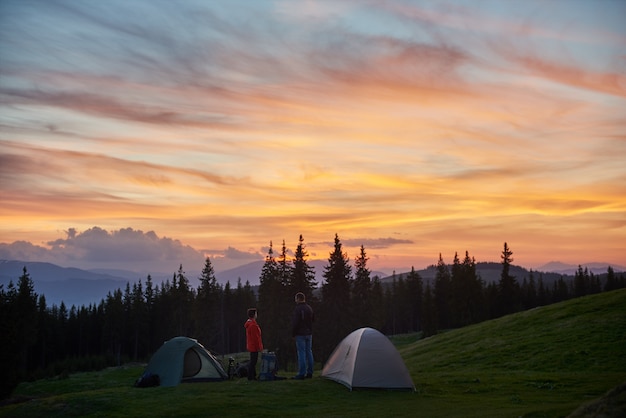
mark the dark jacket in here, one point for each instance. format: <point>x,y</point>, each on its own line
<point>302,322</point>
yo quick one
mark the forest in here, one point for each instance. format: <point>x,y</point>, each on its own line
<point>129,325</point>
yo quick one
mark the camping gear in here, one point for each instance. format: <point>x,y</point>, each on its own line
<point>184,359</point>
<point>242,369</point>
<point>367,359</point>
<point>269,367</point>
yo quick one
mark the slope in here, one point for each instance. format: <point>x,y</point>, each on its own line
<point>542,363</point>
<point>565,353</point>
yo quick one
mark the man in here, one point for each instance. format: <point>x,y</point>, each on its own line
<point>302,331</point>
<point>254,344</point>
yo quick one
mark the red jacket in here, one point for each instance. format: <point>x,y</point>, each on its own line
<point>253,336</point>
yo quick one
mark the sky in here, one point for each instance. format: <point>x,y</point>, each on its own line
<point>144,134</point>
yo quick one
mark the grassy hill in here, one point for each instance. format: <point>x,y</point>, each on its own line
<point>546,362</point>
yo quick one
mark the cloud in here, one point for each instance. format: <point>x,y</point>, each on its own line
<point>611,81</point>
<point>235,254</point>
<point>127,248</point>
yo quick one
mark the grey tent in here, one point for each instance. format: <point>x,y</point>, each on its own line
<point>367,359</point>
<point>184,359</point>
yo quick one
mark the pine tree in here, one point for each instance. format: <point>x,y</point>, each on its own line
<point>584,282</point>
<point>529,291</point>
<point>443,287</point>
<point>208,308</point>
<point>457,293</point>
<point>429,313</point>
<point>415,295</point>
<point>509,300</point>
<point>113,325</point>
<point>275,306</point>
<point>361,292</point>
<point>9,349</point>
<point>377,304</point>
<point>150,322</point>
<point>611,280</point>
<point>302,275</point>
<point>473,302</point>
<point>26,318</point>
<point>392,310</point>
<point>138,320</point>
<point>542,293</point>
<point>284,268</point>
<point>183,297</point>
<point>336,298</point>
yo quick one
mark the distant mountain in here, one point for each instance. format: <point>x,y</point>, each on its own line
<point>63,284</point>
<point>78,287</point>
<point>571,269</point>
<point>47,272</point>
<point>490,272</point>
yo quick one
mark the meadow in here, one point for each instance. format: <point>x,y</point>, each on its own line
<point>551,361</point>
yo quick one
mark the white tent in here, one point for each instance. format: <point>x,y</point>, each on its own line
<point>367,359</point>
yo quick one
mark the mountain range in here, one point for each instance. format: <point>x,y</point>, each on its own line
<point>78,287</point>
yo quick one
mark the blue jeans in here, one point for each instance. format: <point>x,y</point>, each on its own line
<point>304,344</point>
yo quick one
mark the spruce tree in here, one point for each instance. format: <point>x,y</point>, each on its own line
<point>528,292</point>
<point>336,301</point>
<point>377,304</point>
<point>284,268</point>
<point>611,281</point>
<point>275,306</point>
<point>429,313</point>
<point>508,288</point>
<point>457,292</point>
<point>302,275</point>
<point>415,295</point>
<point>9,349</point>
<point>361,292</point>
<point>184,298</point>
<point>149,294</point>
<point>442,296</point>
<point>208,308</point>
<point>26,318</point>
<point>582,282</point>
<point>473,301</point>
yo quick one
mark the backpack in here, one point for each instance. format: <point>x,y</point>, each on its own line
<point>242,369</point>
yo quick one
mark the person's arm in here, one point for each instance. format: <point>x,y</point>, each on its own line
<point>258,339</point>
<point>294,322</point>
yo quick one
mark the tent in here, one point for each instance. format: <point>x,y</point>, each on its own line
<point>184,359</point>
<point>367,359</point>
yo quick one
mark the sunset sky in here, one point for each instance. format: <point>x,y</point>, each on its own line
<point>143,134</point>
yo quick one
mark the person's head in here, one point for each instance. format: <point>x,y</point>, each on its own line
<point>252,313</point>
<point>300,298</point>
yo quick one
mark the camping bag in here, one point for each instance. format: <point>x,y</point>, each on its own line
<point>242,369</point>
<point>268,366</point>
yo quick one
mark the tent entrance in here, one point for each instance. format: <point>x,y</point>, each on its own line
<point>192,363</point>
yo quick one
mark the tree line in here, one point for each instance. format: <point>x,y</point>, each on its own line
<point>129,325</point>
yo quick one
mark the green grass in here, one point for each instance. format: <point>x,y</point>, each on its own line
<point>546,362</point>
